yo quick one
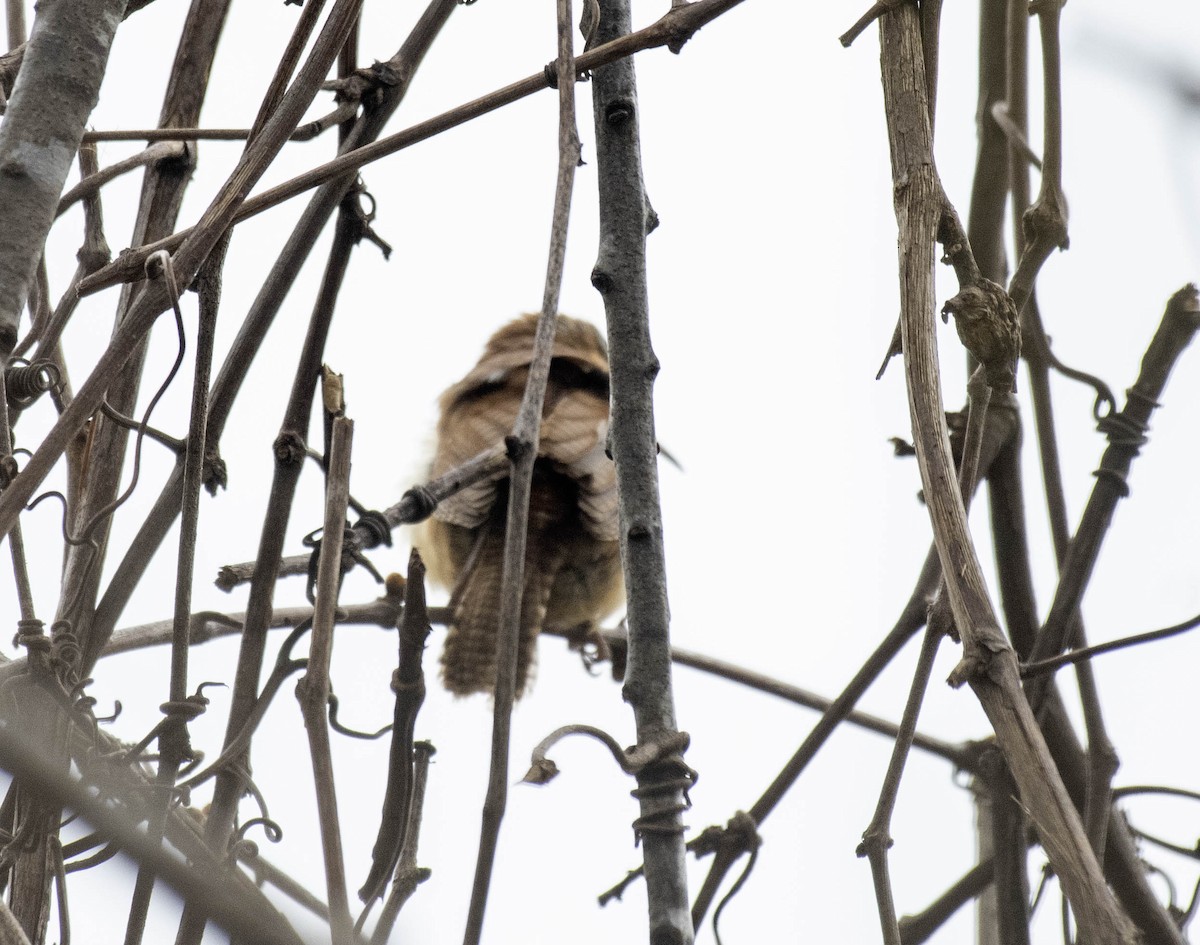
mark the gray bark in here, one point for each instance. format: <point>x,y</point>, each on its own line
<point>620,277</point>
<point>54,94</point>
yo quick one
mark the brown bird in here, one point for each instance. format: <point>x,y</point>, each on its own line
<point>572,557</point>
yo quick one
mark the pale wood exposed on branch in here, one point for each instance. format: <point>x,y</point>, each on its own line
<point>988,663</point>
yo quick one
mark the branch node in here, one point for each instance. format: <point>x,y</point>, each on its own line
<point>618,112</point>
<point>516,447</point>
<point>989,327</point>
<point>289,449</point>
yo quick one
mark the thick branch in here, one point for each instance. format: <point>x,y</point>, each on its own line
<point>55,92</point>
<point>620,277</point>
<point>988,663</point>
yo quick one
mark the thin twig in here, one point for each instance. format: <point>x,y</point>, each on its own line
<point>174,743</point>
<point>232,901</point>
<point>408,684</point>
<point>1086,653</point>
<point>1045,222</point>
<point>313,688</point>
<point>672,30</point>
<point>408,874</point>
<point>255,325</point>
<point>961,756</point>
<point>162,151</point>
<point>523,451</point>
<point>152,301</point>
<point>877,837</point>
<point>1015,134</point>
<point>16,544</point>
<point>414,506</point>
<point>306,132</point>
<point>1126,432</point>
<point>874,12</point>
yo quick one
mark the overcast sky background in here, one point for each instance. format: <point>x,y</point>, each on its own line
<point>793,537</point>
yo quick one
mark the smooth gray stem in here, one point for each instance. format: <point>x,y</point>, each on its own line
<point>55,92</point>
<point>620,277</point>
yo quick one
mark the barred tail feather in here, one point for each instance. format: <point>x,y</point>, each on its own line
<point>469,653</point>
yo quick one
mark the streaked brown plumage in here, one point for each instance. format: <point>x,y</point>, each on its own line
<point>572,558</point>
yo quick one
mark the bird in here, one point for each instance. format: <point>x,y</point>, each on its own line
<point>572,573</point>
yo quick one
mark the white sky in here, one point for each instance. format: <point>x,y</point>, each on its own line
<point>793,537</point>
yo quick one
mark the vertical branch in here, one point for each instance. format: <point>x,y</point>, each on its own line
<point>1045,223</point>
<point>399,798</point>
<point>522,450</point>
<point>289,455</point>
<point>16,544</point>
<point>313,689</point>
<point>1016,584</point>
<point>54,94</point>
<point>163,188</point>
<point>408,874</point>
<point>151,300</point>
<point>1035,347</point>
<point>1008,845</point>
<point>262,311</point>
<point>174,743</point>
<point>15,20</point>
<point>289,446</point>
<point>989,188</point>
<point>877,837</point>
<point>931,28</point>
<point>989,664</point>
<point>620,277</point>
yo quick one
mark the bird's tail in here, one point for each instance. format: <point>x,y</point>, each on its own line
<point>469,653</point>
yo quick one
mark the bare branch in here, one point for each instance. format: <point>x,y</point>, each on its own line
<point>673,30</point>
<point>313,688</point>
<point>53,96</point>
<point>523,451</point>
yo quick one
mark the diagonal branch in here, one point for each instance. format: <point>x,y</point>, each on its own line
<point>152,300</point>
<point>673,30</point>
